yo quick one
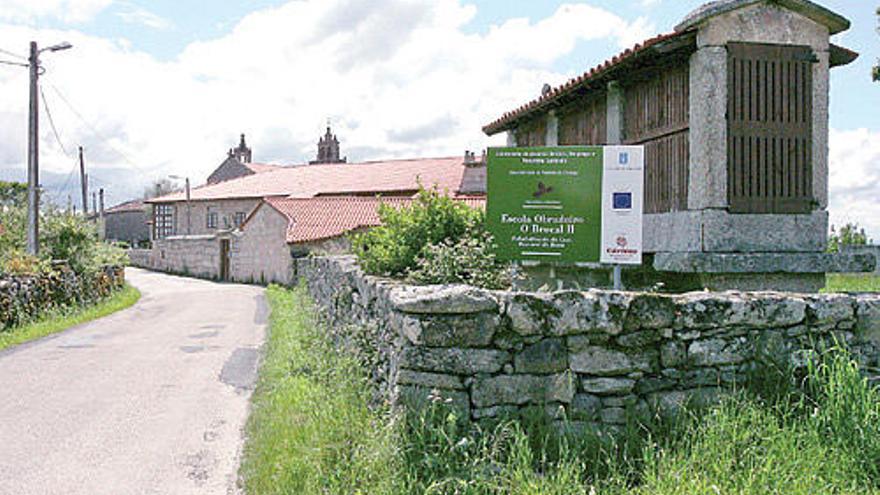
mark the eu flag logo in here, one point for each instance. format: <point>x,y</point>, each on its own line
<point>622,201</point>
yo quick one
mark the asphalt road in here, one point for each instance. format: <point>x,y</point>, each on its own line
<point>150,400</point>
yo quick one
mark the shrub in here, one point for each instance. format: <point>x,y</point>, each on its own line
<point>394,247</point>
<point>469,260</point>
<point>850,235</point>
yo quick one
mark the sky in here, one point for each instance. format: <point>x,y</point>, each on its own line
<point>165,87</point>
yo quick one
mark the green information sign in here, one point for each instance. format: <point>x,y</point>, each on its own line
<point>545,204</point>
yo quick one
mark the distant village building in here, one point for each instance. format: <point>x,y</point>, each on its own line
<point>127,222</point>
<point>328,150</point>
<point>249,228</point>
<point>238,163</point>
<point>732,109</point>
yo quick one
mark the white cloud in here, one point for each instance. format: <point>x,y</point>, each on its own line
<point>397,78</point>
<point>65,10</point>
<point>132,14</point>
<point>855,179</point>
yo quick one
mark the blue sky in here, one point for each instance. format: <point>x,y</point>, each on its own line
<point>164,87</point>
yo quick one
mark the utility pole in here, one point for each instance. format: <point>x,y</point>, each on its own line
<point>188,210</point>
<point>83,181</point>
<point>101,232</point>
<point>94,204</point>
<point>33,216</point>
<point>33,212</point>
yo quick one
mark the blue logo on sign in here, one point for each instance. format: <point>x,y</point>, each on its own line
<point>623,158</point>
<point>622,201</point>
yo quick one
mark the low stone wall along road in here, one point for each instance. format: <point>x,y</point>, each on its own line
<point>150,400</point>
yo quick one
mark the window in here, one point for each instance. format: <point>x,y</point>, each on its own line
<point>770,128</point>
<point>239,218</point>
<point>212,219</point>
<point>163,221</point>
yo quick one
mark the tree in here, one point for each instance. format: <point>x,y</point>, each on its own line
<point>850,235</point>
<point>876,74</point>
<point>12,193</point>
<point>160,187</point>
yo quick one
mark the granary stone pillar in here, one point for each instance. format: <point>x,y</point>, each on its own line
<point>708,129</point>
<point>614,114</point>
<point>551,138</point>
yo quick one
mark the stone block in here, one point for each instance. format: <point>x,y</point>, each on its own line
<point>442,299</point>
<point>714,352</point>
<point>464,330</point>
<point>585,312</point>
<point>654,384</point>
<point>613,415</point>
<point>608,386</point>
<point>644,338</point>
<point>528,313</point>
<point>672,354</point>
<point>494,412</point>
<point>522,389</point>
<point>830,308</point>
<point>620,401</point>
<point>419,397</point>
<point>544,357</point>
<point>868,318</point>
<point>585,407</point>
<point>601,361</point>
<point>429,380</point>
<point>650,312</point>
<point>453,360</point>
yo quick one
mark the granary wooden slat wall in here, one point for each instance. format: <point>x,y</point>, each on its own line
<point>770,128</point>
<point>656,115</point>
<point>533,133</point>
<point>584,121</point>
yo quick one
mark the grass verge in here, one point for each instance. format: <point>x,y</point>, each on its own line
<point>53,322</point>
<point>312,431</point>
<point>849,282</point>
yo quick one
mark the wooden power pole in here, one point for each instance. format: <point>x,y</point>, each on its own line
<point>83,182</point>
<point>33,210</point>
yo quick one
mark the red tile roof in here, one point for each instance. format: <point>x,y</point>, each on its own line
<point>133,205</point>
<point>593,75</point>
<point>259,168</point>
<point>314,219</point>
<point>307,181</point>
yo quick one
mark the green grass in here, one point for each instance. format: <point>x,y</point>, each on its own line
<point>844,282</point>
<point>311,431</point>
<point>54,322</point>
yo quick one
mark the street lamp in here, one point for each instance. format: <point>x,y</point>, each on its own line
<point>33,231</point>
<point>188,207</point>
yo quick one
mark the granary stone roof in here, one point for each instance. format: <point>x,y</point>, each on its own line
<point>834,22</point>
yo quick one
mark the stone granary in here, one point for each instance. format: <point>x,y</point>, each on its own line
<point>732,108</point>
<point>250,228</point>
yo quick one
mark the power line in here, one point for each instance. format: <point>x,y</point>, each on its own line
<point>52,123</point>
<point>22,57</point>
<point>19,64</point>
<point>94,129</point>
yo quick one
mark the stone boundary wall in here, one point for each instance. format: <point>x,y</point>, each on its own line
<point>870,249</point>
<point>22,297</point>
<point>196,255</point>
<point>597,355</point>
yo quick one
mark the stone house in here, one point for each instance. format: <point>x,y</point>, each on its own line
<point>238,163</point>
<point>732,108</point>
<point>127,222</point>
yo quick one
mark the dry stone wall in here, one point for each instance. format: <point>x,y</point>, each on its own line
<point>596,356</point>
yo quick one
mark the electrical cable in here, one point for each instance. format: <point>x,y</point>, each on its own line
<point>7,62</point>
<point>13,54</point>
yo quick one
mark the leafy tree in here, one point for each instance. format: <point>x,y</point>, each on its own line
<point>13,193</point>
<point>849,235</point>
<point>876,74</point>
<point>159,187</point>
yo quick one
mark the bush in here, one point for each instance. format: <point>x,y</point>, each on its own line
<point>470,260</point>
<point>850,235</point>
<point>395,247</point>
